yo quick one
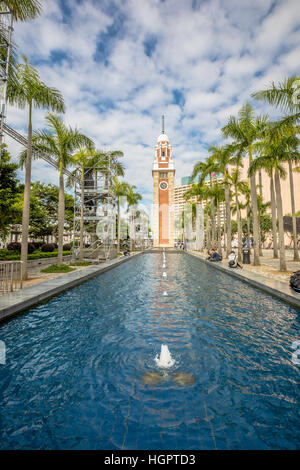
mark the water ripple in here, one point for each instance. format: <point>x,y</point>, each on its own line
<point>80,369</point>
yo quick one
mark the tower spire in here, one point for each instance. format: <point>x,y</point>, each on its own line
<point>163,124</point>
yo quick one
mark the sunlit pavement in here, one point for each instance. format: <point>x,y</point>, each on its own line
<point>269,267</point>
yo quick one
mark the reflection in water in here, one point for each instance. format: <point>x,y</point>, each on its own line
<point>181,378</point>
<point>152,378</point>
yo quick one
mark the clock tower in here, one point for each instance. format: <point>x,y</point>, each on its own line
<point>163,172</point>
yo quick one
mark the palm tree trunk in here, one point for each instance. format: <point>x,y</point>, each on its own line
<point>81,216</point>
<point>119,225</point>
<point>296,254</point>
<point>26,202</point>
<point>282,261</point>
<point>261,198</point>
<point>213,223</point>
<point>254,208</point>
<point>274,221</point>
<point>224,227</point>
<point>219,230</point>
<point>208,230</point>
<point>131,230</point>
<point>61,215</point>
<point>228,219</point>
<point>239,224</point>
<point>259,239</point>
<point>249,227</point>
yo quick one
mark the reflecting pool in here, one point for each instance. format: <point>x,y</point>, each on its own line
<point>80,370</point>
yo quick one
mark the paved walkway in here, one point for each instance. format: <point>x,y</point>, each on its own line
<point>270,267</point>
<point>266,277</point>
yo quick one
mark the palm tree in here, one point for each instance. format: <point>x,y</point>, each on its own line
<point>22,10</point>
<point>204,169</point>
<point>132,199</point>
<point>285,95</point>
<point>30,91</point>
<point>120,189</point>
<point>239,187</point>
<point>217,191</point>
<point>201,191</point>
<point>246,130</point>
<point>223,157</point>
<point>59,142</point>
<point>246,192</point>
<point>275,147</point>
<point>267,165</point>
<point>290,164</point>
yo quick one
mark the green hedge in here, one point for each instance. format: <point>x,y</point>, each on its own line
<point>4,256</point>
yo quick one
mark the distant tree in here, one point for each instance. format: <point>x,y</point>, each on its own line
<point>48,195</point>
<point>265,221</point>
<point>9,189</point>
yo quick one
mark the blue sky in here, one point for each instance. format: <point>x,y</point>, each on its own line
<point>121,64</point>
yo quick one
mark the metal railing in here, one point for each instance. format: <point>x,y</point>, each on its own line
<point>10,276</point>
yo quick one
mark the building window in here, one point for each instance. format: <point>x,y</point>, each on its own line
<point>163,174</point>
<point>163,153</point>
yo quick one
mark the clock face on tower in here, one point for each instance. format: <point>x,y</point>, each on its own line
<point>163,185</point>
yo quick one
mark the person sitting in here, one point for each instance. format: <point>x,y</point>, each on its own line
<point>126,251</point>
<point>295,281</point>
<point>232,260</point>
<point>214,256</point>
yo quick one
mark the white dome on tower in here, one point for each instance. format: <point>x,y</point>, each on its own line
<point>163,138</point>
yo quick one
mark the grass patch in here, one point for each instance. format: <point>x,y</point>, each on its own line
<point>81,263</point>
<point>63,268</point>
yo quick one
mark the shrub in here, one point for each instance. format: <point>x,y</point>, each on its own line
<point>67,247</point>
<point>48,247</point>
<point>38,244</point>
<point>31,248</point>
<point>14,246</point>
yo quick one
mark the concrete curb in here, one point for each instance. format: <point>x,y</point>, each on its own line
<point>276,288</point>
<point>18,301</point>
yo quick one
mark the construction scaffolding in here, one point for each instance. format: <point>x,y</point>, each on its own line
<point>95,213</point>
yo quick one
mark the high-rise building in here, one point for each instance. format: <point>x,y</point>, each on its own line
<point>180,201</point>
<point>163,172</point>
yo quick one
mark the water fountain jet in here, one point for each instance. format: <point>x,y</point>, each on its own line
<point>165,359</point>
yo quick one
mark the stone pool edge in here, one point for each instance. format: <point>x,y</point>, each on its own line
<point>273,287</point>
<point>16,302</point>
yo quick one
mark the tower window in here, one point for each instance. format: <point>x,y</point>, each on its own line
<point>163,153</point>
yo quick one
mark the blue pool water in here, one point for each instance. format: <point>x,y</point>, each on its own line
<point>80,370</point>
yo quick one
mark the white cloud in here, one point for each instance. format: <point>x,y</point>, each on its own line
<point>212,57</point>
